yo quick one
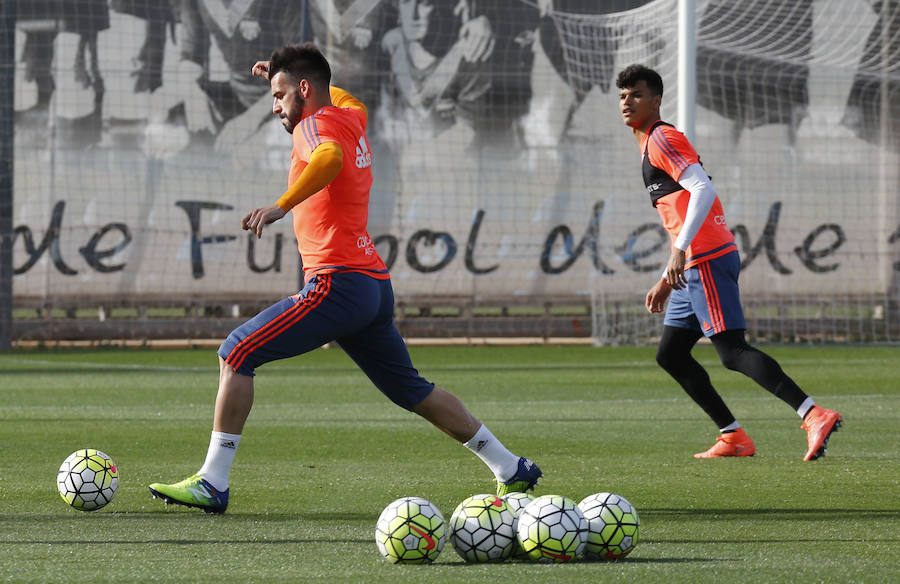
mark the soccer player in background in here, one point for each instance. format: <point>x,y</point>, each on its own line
<point>347,295</point>
<point>701,277</point>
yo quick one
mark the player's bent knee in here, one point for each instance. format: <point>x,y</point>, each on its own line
<point>731,360</point>
<point>413,401</point>
<point>410,399</point>
<point>667,358</point>
<point>736,357</point>
<point>227,369</point>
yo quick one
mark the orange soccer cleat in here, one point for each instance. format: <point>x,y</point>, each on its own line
<point>819,424</point>
<point>735,443</point>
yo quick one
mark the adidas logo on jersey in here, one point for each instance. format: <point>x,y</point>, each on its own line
<point>363,156</point>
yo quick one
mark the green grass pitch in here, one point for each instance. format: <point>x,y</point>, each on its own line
<point>323,452</point>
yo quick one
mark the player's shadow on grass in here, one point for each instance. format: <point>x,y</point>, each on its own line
<point>776,514</point>
<point>215,542</point>
<point>178,513</point>
<point>629,560</point>
<point>755,540</point>
<point>639,560</point>
<point>96,370</point>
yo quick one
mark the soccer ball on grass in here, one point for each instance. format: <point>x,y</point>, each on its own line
<point>87,480</point>
<point>613,526</point>
<point>410,530</point>
<point>552,529</point>
<point>481,529</point>
<point>517,502</point>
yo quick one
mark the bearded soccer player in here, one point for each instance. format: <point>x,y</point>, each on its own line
<point>701,277</point>
<point>347,295</point>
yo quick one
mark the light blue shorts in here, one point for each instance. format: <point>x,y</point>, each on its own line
<point>711,302</point>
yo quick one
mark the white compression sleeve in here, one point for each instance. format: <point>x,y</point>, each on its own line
<point>695,180</point>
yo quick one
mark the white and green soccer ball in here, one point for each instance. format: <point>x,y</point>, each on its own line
<point>517,502</point>
<point>481,529</point>
<point>410,530</point>
<point>613,526</point>
<point>87,480</point>
<point>552,529</point>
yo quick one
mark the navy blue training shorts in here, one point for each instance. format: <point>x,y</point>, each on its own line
<point>351,308</point>
<point>711,302</point>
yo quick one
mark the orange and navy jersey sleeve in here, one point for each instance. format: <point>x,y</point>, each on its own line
<point>669,150</point>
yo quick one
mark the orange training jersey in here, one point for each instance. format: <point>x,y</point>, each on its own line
<point>666,154</point>
<point>330,226</point>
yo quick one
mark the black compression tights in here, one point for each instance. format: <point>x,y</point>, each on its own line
<point>674,355</point>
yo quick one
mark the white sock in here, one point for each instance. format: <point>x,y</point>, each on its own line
<point>219,457</point>
<point>804,408</point>
<point>730,427</point>
<point>501,461</point>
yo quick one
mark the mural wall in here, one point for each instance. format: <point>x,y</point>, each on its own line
<point>502,166</point>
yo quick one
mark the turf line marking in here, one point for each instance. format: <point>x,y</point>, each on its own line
<point>674,399</point>
<point>424,367</point>
<point>122,366</point>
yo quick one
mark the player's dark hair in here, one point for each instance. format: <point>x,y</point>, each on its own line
<point>304,61</point>
<point>633,74</point>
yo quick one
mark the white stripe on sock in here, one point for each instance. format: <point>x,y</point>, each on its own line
<point>730,427</point>
<point>804,408</point>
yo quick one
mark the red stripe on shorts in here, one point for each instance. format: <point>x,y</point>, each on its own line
<point>280,323</point>
<point>712,298</point>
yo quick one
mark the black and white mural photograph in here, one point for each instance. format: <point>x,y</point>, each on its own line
<point>502,167</point>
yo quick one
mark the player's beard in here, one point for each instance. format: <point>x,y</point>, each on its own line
<point>291,120</point>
